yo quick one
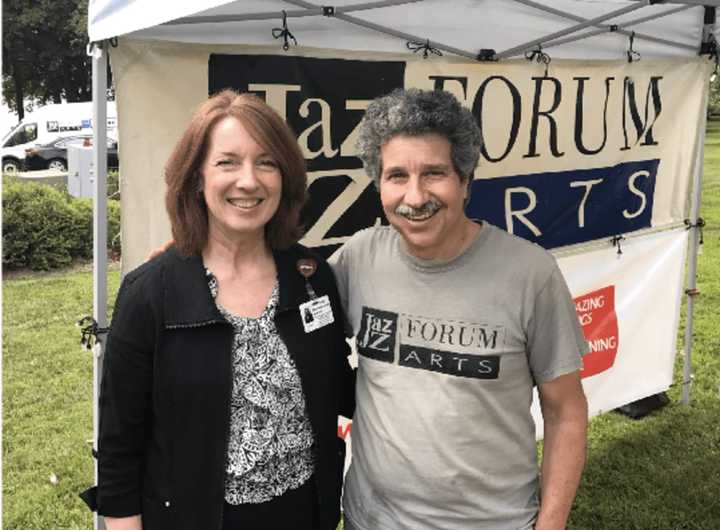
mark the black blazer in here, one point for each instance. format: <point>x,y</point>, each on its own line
<point>165,395</point>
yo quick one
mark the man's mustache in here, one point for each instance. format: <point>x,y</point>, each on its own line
<point>427,209</point>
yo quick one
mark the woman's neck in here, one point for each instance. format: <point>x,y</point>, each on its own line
<point>230,257</point>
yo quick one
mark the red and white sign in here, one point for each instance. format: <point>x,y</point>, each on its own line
<point>629,306</point>
<point>596,311</point>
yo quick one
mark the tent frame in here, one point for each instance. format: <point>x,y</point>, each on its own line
<point>99,53</point>
<point>695,226</point>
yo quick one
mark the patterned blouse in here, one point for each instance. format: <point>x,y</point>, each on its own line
<point>270,449</point>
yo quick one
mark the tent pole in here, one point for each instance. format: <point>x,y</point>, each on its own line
<point>578,18</point>
<point>604,28</point>
<point>99,92</point>
<point>694,3</point>
<point>572,29</point>
<point>607,29</point>
<point>693,248</point>
<point>386,30</point>
<point>694,244</point>
<point>272,15</point>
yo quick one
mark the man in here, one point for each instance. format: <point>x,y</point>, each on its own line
<point>455,322</point>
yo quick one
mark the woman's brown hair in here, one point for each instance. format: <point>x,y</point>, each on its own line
<point>186,205</point>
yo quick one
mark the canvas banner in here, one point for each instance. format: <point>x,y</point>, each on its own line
<point>575,154</point>
<point>581,152</point>
<point>586,151</point>
<point>628,304</point>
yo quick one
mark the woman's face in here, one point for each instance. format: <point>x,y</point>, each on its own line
<point>241,182</point>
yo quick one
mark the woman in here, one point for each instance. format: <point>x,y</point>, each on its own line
<point>226,367</point>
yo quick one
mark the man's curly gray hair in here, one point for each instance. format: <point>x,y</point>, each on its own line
<point>414,112</point>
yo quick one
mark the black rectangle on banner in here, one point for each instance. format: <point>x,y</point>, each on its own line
<point>323,100</point>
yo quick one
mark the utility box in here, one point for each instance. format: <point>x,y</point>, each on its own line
<point>81,172</point>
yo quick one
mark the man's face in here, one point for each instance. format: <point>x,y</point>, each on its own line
<point>422,195</point>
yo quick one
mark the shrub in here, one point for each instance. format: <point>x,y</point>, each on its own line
<point>45,228</point>
<point>113,184</point>
<point>83,215</point>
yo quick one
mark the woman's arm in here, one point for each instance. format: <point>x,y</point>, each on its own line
<point>124,523</point>
<point>125,404</point>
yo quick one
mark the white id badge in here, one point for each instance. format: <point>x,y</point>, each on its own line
<point>316,313</point>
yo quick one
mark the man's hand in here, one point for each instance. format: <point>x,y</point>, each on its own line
<point>154,253</point>
<point>564,410</point>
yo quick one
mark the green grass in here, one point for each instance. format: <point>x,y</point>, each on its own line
<point>660,473</point>
<point>663,472</point>
<point>47,397</point>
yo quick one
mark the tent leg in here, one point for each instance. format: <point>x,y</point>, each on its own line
<point>693,249</point>
<point>694,242</point>
<point>99,91</point>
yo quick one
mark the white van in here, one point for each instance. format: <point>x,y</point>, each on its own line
<point>47,123</point>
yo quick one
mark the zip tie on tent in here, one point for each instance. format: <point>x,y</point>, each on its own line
<point>284,32</point>
<point>709,43</point>
<point>690,381</point>
<point>539,56</point>
<point>709,47</point>
<point>486,55</point>
<point>90,331</point>
<point>426,48</point>
<point>90,48</point>
<point>328,11</point>
<point>699,225</point>
<point>616,243</point>
<point>632,55</point>
<point>102,45</point>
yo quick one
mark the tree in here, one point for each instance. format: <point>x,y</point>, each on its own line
<point>44,57</point>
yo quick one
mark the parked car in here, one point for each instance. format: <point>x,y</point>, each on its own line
<point>48,123</point>
<point>53,155</point>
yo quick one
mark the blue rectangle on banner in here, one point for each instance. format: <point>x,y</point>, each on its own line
<point>567,207</point>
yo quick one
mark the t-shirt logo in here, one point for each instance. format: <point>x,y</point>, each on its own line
<point>445,362</point>
<point>452,348</point>
<point>378,330</point>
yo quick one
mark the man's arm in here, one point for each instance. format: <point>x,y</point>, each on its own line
<point>564,410</point>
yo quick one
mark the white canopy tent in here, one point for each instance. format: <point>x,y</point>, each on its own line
<point>473,29</point>
<point>668,29</point>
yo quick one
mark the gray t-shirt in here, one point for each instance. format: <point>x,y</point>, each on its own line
<point>448,355</point>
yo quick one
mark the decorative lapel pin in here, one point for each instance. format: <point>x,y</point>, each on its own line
<point>307,267</point>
